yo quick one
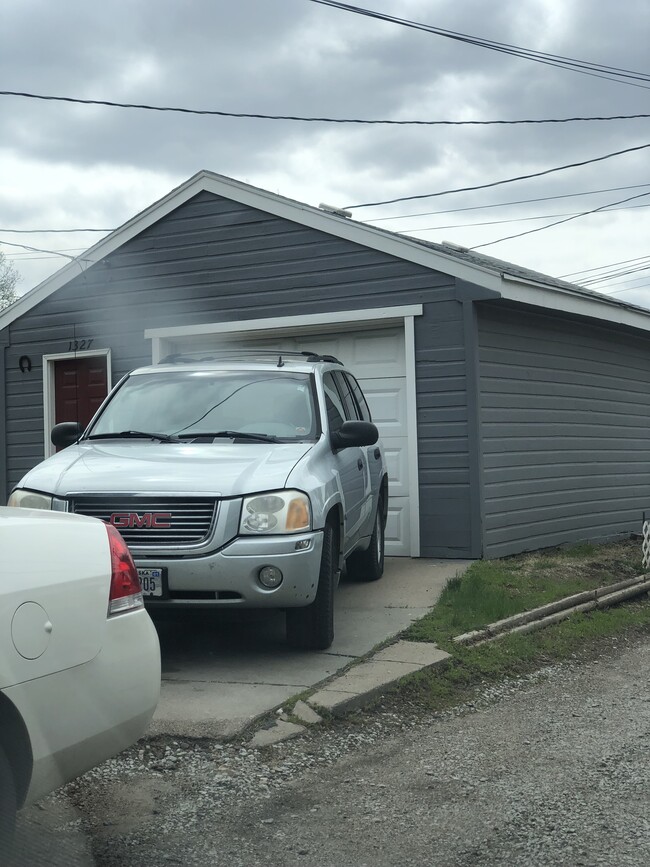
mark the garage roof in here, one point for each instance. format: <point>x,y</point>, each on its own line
<point>510,281</point>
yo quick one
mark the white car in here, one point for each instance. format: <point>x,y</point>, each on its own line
<point>79,655</point>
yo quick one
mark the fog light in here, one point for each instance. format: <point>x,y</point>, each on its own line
<point>270,576</point>
<point>303,544</point>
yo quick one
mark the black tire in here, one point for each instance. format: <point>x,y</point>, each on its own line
<point>312,627</point>
<point>7,807</point>
<point>368,565</point>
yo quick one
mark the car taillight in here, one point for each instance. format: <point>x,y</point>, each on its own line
<point>126,592</point>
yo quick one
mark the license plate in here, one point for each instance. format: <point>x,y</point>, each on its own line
<point>152,581</point>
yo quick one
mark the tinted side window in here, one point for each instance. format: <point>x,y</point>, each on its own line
<point>359,397</point>
<point>333,403</point>
<point>349,402</point>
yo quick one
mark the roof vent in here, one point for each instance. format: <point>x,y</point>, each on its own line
<point>339,212</point>
<point>453,246</point>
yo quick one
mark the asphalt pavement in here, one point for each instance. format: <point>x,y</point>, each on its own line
<point>222,670</point>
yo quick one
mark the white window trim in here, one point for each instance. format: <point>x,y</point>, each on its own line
<point>49,403</point>
<point>381,317</point>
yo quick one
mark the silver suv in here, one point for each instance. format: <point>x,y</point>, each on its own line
<point>244,480</point>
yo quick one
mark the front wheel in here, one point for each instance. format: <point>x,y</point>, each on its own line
<point>7,804</point>
<point>312,627</point>
<point>368,565</point>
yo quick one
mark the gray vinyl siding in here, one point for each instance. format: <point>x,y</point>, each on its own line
<point>215,260</point>
<point>445,510</point>
<point>565,421</point>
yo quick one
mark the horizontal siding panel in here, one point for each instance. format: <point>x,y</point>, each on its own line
<point>439,400</point>
<point>502,374</point>
<point>509,493</point>
<point>434,478</point>
<point>564,411</point>
<point>600,412</point>
<point>442,414</point>
<point>540,508</point>
<point>607,531</point>
<point>550,445</point>
<point>569,460</point>
<point>581,473</point>
<point>605,522</point>
<point>575,342</point>
<point>446,445</point>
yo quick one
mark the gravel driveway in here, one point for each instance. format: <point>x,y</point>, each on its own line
<point>551,769</point>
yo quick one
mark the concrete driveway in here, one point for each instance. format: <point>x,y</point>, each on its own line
<point>222,670</point>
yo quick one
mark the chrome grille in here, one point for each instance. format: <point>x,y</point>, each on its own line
<point>153,522</point>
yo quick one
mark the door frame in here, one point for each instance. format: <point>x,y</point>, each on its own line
<point>49,402</point>
<point>373,318</point>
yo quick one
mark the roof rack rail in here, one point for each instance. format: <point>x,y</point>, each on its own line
<point>265,354</point>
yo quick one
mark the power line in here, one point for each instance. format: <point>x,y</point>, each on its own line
<point>602,267</point>
<point>50,231</point>
<point>615,275</point>
<point>412,216</point>
<point>610,73</point>
<point>504,204</point>
<point>308,119</point>
<point>510,220</point>
<point>40,250</point>
<point>497,183</point>
<point>629,289</point>
<point>559,222</point>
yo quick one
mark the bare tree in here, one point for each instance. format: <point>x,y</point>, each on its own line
<point>8,280</point>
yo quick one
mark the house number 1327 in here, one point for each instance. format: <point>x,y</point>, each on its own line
<point>79,345</point>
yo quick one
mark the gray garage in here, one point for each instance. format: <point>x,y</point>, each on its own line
<point>514,407</point>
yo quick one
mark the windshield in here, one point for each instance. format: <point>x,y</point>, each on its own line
<point>190,403</point>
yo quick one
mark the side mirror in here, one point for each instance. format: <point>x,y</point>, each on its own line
<point>354,433</point>
<point>66,433</point>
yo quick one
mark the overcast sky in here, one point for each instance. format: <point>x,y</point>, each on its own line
<point>79,166</point>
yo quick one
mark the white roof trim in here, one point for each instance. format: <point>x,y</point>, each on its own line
<point>566,302</point>
<point>380,315</point>
<point>359,233</point>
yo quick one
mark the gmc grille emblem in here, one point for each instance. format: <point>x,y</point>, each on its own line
<point>133,521</point>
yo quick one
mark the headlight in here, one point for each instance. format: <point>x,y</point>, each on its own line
<point>29,500</point>
<point>278,512</point>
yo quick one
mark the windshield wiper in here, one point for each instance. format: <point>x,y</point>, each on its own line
<point>136,435</point>
<point>232,434</point>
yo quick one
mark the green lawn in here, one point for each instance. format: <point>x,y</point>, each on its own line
<point>491,590</point>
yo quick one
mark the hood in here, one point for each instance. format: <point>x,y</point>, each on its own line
<point>224,469</point>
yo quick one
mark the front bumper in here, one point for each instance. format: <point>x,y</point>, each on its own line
<point>229,577</point>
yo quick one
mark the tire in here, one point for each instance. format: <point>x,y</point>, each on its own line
<point>7,806</point>
<point>368,565</point>
<point>312,627</point>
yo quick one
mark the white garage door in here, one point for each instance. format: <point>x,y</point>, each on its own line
<point>377,359</point>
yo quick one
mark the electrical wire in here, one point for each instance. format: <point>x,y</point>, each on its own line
<point>510,220</point>
<point>598,70</point>
<point>503,204</point>
<point>601,267</point>
<point>559,222</point>
<point>40,250</point>
<point>498,183</point>
<point>50,231</point>
<point>308,119</point>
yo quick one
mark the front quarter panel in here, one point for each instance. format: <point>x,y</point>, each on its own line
<point>315,475</point>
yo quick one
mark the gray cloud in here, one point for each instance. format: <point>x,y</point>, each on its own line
<point>296,57</point>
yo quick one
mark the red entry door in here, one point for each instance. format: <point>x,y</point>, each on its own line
<point>80,386</point>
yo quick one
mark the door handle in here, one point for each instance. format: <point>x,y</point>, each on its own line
<point>360,464</point>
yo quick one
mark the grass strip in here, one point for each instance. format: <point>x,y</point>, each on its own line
<point>492,590</point>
